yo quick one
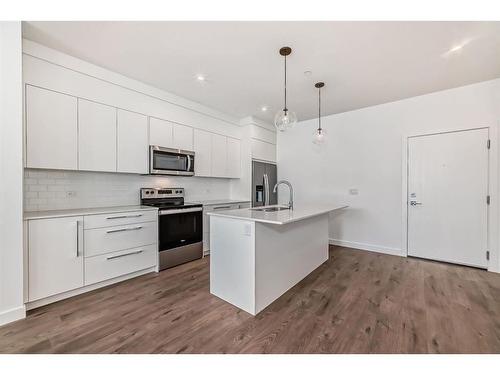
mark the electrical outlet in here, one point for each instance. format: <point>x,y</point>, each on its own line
<point>247,230</point>
<point>71,194</point>
<point>353,191</point>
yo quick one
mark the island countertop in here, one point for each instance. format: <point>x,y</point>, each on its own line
<point>280,217</point>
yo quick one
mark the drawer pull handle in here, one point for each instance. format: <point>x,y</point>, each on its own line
<point>221,207</point>
<point>123,229</point>
<point>123,217</point>
<point>123,255</point>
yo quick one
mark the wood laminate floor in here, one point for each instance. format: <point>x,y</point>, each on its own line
<point>356,302</point>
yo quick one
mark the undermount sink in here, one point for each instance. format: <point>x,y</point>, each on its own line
<point>271,209</point>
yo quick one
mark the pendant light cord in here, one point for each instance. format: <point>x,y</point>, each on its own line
<point>319,109</point>
<point>285,109</point>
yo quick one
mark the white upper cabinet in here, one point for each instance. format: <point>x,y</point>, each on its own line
<point>183,137</point>
<point>161,133</point>
<point>51,129</point>
<point>203,153</point>
<point>55,256</point>
<point>167,134</point>
<point>132,142</point>
<point>219,155</point>
<point>263,150</point>
<point>233,158</point>
<point>96,137</point>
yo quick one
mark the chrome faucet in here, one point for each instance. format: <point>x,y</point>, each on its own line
<point>285,182</point>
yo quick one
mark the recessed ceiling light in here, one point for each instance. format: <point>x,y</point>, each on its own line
<point>264,108</point>
<point>456,48</point>
<point>201,77</point>
<point>307,73</point>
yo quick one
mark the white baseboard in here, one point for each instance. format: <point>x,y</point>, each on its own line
<point>11,315</point>
<point>368,247</point>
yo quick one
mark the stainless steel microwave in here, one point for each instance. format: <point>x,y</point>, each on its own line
<point>170,161</point>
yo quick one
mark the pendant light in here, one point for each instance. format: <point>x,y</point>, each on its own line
<point>320,133</point>
<point>285,119</point>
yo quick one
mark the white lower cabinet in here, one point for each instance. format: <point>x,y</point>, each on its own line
<point>55,256</point>
<point>64,256</point>
<point>105,240</point>
<point>117,263</point>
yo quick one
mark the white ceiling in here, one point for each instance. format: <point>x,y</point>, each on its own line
<point>362,63</point>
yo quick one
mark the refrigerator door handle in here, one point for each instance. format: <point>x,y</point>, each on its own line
<point>266,190</point>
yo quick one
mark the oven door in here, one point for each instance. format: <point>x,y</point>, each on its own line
<point>180,235</point>
<point>171,161</point>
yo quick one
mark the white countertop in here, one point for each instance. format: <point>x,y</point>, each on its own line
<point>31,215</point>
<point>212,202</point>
<point>280,217</point>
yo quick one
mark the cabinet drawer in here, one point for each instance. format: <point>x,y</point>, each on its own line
<point>120,218</point>
<point>106,240</point>
<point>108,266</point>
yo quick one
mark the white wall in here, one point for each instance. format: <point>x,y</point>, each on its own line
<point>11,174</point>
<point>364,152</point>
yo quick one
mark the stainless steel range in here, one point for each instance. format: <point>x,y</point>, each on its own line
<point>180,231</point>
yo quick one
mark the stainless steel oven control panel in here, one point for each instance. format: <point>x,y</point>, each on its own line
<point>162,193</point>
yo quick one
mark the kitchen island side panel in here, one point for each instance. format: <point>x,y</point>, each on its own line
<point>285,254</point>
<point>232,261</point>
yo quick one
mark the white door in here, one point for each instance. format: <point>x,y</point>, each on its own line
<point>183,137</point>
<point>132,142</point>
<point>203,153</point>
<point>160,133</point>
<point>233,158</point>
<point>447,192</point>
<point>51,129</point>
<point>96,137</point>
<point>55,260</point>
<point>219,156</point>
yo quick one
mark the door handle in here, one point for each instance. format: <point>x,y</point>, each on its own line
<point>415,203</point>
<point>79,236</point>
<point>123,217</point>
<point>123,229</point>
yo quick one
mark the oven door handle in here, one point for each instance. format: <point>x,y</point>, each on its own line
<point>180,211</point>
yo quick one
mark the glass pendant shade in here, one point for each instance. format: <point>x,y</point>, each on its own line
<point>319,137</point>
<point>285,120</point>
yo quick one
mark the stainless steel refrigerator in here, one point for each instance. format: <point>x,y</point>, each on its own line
<point>264,177</point>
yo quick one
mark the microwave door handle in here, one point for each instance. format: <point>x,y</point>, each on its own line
<point>189,163</point>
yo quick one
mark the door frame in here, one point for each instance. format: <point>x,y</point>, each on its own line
<point>492,218</point>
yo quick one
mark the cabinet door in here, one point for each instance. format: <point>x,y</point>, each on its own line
<point>219,155</point>
<point>203,153</point>
<point>55,260</point>
<point>183,137</point>
<point>51,129</point>
<point>233,158</point>
<point>160,133</point>
<point>96,137</point>
<point>263,150</point>
<point>132,142</point>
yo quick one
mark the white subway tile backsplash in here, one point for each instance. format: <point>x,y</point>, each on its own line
<point>52,190</point>
<point>37,187</point>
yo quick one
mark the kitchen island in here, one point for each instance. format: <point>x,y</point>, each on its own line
<point>257,254</point>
